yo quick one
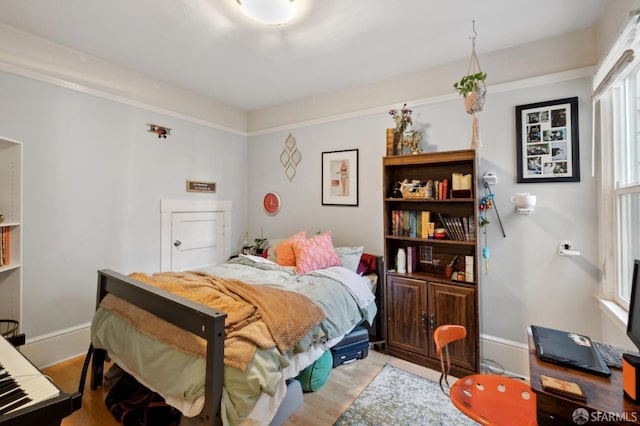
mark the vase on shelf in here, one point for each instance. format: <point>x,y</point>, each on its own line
<point>401,261</point>
<point>398,143</point>
<point>448,271</point>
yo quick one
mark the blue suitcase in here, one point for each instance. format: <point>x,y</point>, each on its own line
<point>353,346</point>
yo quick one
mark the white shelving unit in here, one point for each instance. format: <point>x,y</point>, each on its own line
<point>11,210</point>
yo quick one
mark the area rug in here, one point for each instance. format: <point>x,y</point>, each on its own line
<point>396,397</point>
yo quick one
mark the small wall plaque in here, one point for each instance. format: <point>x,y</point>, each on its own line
<point>196,186</point>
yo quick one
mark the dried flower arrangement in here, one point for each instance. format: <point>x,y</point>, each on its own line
<point>402,118</point>
<point>410,140</point>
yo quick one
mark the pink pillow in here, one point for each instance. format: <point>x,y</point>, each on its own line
<point>315,253</point>
<point>284,250</point>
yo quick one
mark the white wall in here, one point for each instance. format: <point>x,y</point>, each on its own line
<point>93,180</point>
<point>528,282</point>
<point>301,197</point>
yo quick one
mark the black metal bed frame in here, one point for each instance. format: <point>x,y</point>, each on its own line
<point>198,319</point>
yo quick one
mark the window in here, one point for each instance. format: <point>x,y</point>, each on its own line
<point>617,112</point>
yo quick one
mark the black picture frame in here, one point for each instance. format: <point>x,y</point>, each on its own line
<point>340,178</point>
<point>547,136</point>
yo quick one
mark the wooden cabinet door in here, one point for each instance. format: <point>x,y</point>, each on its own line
<point>453,304</point>
<point>406,301</point>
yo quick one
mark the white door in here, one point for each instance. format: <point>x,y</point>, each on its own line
<point>197,240</point>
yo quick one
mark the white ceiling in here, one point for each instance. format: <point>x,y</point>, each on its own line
<point>208,47</point>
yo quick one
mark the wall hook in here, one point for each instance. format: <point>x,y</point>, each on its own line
<point>475,33</point>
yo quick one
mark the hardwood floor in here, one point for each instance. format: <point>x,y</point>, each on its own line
<point>66,376</point>
<point>320,408</point>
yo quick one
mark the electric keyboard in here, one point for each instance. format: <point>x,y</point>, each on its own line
<point>27,397</point>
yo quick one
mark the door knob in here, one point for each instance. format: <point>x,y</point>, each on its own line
<point>177,243</point>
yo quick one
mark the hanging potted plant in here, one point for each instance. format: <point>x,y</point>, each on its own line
<point>471,83</point>
<point>472,88</point>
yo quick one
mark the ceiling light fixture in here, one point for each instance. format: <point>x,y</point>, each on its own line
<point>269,12</point>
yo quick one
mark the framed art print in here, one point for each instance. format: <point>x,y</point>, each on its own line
<point>340,178</point>
<point>547,141</point>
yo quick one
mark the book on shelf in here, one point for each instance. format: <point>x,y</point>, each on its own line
<point>472,228</point>
<point>468,269</point>
<point>411,259</point>
<point>412,224</point>
<point>457,227</point>
<point>415,224</point>
<point>405,223</point>
<point>396,222</point>
<point>465,225</point>
<point>425,219</point>
<point>5,238</point>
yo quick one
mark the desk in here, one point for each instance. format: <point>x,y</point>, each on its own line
<point>604,395</point>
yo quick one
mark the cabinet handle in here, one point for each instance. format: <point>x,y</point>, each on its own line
<point>423,317</point>
<point>177,243</point>
<point>432,321</point>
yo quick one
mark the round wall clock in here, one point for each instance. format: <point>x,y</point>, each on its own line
<point>271,203</point>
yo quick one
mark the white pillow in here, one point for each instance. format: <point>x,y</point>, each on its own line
<point>350,256</point>
<point>271,253</point>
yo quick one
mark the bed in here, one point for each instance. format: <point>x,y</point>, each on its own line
<point>194,383</point>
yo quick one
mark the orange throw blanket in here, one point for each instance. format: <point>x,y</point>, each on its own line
<point>257,316</point>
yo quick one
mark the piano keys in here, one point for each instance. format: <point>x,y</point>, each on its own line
<point>28,397</point>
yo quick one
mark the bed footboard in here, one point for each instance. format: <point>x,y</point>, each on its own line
<point>198,319</point>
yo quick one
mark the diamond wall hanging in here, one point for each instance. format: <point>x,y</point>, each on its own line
<point>290,157</point>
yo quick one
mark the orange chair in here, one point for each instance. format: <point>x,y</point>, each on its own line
<point>488,399</point>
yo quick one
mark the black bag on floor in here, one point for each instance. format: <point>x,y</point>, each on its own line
<point>132,404</point>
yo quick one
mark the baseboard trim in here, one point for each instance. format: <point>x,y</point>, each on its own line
<point>511,356</point>
<point>53,348</point>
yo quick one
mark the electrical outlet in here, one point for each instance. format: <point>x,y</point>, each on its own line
<point>490,178</point>
<point>566,249</point>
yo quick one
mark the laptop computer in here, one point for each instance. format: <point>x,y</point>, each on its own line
<point>568,349</point>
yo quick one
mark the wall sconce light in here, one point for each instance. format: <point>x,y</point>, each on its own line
<point>268,12</point>
<point>161,131</point>
<point>524,202</point>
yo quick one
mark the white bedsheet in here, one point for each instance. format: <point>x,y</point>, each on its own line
<point>358,286</point>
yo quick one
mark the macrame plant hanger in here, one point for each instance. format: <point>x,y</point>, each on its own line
<point>474,101</point>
